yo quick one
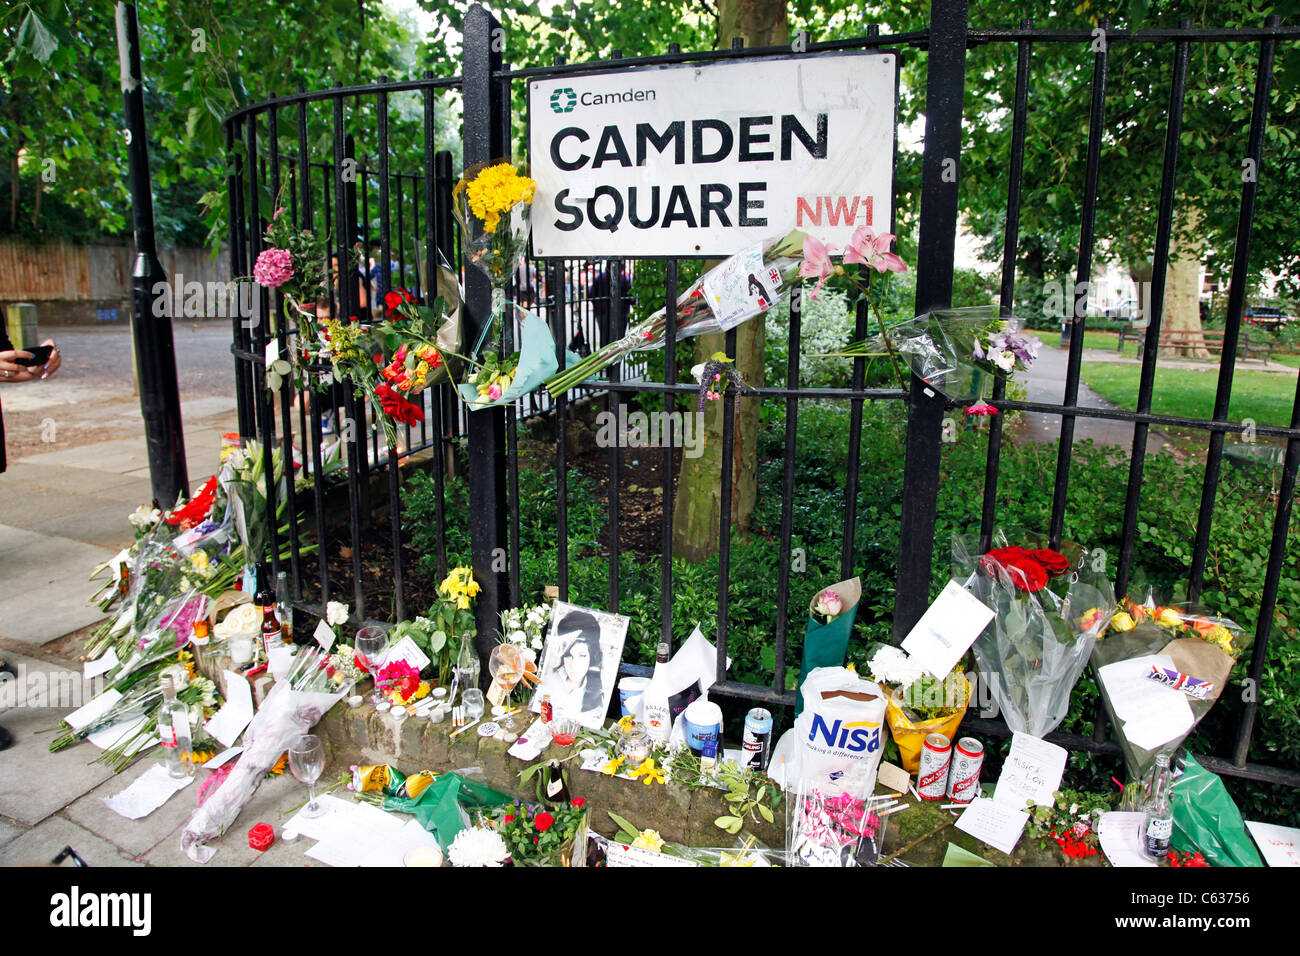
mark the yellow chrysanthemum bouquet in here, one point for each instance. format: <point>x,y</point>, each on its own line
<point>492,201</point>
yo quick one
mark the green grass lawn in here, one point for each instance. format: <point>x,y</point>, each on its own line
<point>1292,360</point>
<point>1190,393</point>
<point>1091,340</point>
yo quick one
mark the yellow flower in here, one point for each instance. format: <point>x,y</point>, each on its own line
<point>613,766</point>
<point>625,724</point>
<point>1122,622</point>
<point>496,190</point>
<point>200,560</point>
<point>648,772</point>
<point>649,840</point>
<point>422,691</point>
<point>1168,617</point>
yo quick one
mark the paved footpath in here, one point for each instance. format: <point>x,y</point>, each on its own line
<point>1044,381</point>
<point>63,510</point>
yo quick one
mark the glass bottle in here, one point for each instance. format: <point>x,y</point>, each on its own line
<point>174,732</point>
<point>1158,813</point>
<point>284,608</point>
<point>272,633</point>
<point>555,789</point>
<point>467,663</point>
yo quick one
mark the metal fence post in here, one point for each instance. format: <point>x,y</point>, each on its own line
<point>151,322</point>
<point>945,87</point>
<point>482,109</point>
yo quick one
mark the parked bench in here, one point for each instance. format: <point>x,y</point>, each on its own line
<point>1211,341</point>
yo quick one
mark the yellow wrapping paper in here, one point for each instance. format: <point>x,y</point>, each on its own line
<point>910,735</point>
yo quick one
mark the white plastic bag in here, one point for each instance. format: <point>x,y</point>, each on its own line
<point>838,736</point>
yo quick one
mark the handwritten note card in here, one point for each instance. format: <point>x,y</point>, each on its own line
<point>1031,772</point>
<point>1119,836</point>
<point>1280,846</point>
<point>948,627</point>
<point>1152,713</point>
<point>997,824</point>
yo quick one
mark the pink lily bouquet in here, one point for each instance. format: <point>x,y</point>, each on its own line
<point>864,248</point>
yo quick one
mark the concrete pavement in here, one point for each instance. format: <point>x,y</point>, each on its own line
<point>78,466</point>
<point>1044,381</point>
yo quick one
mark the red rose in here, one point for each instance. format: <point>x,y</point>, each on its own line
<point>398,408</point>
<point>1053,562</point>
<point>509,817</point>
<point>580,802</point>
<point>543,821</point>
<point>1027,574</point>
<point>392,299</point>
<point>1008,554</point>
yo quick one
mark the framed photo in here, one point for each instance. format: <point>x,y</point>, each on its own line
<point>579,666</point>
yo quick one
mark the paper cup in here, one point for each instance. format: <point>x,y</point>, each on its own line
<point>702,722</point>
<point>629,688</point>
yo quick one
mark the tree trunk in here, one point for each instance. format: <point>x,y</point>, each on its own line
<point>697,514</point>
<point>1182,304</point>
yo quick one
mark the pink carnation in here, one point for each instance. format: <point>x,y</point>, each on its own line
<point>274,268</point>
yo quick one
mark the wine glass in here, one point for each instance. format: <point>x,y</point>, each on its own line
<point>371,645</point>
<point>307,761</point>
<point>506,665</point>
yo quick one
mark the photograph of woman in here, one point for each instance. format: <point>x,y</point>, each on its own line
<point>580,662</point>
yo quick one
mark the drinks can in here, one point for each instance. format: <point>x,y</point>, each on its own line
<point>758,738</point>
<point>548,710</point>
<point>932,778</point>
<point>964,777</point>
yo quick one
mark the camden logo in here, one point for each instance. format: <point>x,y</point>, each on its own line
<point>564,100</point>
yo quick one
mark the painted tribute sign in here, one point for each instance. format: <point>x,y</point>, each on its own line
<point>712,159</point>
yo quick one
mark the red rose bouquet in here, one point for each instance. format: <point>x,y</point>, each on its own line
<point>1049,608</point>
<point>542,836</point>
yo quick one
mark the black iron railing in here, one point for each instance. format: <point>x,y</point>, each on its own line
<point>420,195</point>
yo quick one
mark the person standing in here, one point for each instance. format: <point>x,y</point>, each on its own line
<point>13,371</point>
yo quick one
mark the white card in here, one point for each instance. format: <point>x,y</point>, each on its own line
<point>224,757</point>
<point>1151,713</point>
<point>621,854</point>
<point>325,636</point>
<point>280,660</point>
<point>118,734</point>
<point>229,722</point>
<point>1118,833</point>
<point>93,709</point>
<point>407,650</point>
<point>101,666</point>
<point>741,287</point>
<point>1031,772</point>
<point>947,628</point>
<point>1280,846</point>
<point>531,742</point>
<point>997,824</point>
<point>392,848</point>
<point>272,352</point>
<point>150,791</point>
